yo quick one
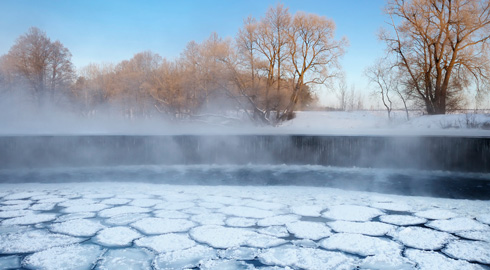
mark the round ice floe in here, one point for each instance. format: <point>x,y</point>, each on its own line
<point>15,213</point>
<point>307,210</point>
<point>222,199</point>
<point>367,228</point>
<point>264,205</point>
<point>85,208</point>
<point>209,219</point>
<point>73,216</point>
<point>29,219</point>
<point>475,235</point>
<point>145,202</point>
<point>166,242</point>
<point>77,227</point>
<point>223,237</point>
<point>226,265</point>
<point>402,220</point>
<point>484,218</point>
<point>77,202</point>
<point>115,201</point>
<point>392,206</point>
<point>240,222</point>
<point>387,262</point>
<point>430,260</point>
<point>119,210</point>
<point>125,219</point>
<point>239,253</point>
<point>458,225</point>
<point>184,259</point>
<point>32,241</point>
<point>305,243</point>
<point>245,211</point>
<point>10,262</point>
<point>52,199</point>
<point>309,230</point>
<point>305,258</point>
<point>360,244</point>
<point>422,238</point>
<point>277,231</point>
<point>351,213</point>
<point>162,225</point>
<point>278,220</point>
<point>42,206</point>
<point>436,214</point>
<point>211,205</point>
<point>475,251</point>
<point>170,214</point>
<point>174,205</point>
<point>196,210</point>
<point>72,257</point>
<point>116,237</point>
<point>128,258</point>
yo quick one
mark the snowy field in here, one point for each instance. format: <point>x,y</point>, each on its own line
<point>157,226</point>
<point>310,122</point>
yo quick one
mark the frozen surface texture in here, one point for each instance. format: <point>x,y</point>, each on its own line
<point>75,257</point>
<point>152,226</point>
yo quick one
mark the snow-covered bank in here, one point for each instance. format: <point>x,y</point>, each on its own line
<point>312,123</point>
<point>236,227</point>
<point>377,123</point>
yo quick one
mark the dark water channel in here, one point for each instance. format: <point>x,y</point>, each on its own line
<point>450,167</point>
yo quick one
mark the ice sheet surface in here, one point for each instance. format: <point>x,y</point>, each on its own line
<point>141,225</point>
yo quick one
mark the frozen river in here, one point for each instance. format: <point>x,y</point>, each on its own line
<point>117,222</point>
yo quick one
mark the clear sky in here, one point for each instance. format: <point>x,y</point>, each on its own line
<point>97,31</point>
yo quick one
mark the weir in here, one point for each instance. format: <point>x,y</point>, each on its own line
<point>464,154</point>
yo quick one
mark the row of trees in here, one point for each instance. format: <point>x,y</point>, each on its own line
<point>435,50</point>
<point>267,72</point>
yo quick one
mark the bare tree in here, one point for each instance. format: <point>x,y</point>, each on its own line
<point>441,46</point>
<point>45,65</point>
<point>340,91</point>
<point>314,54</point>
<point>292,53</point>
<point>384,83</point>
<point>386,79</point>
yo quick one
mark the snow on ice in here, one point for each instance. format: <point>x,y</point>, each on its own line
<point>351,213</point>
<point>166,242</point>
<point>74,257</point>
<point>162,225</point>
<point>422,238</point>
<point>116,237</point>
<point>220,227</point>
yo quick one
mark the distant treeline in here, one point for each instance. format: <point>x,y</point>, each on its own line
<point>267,72</point>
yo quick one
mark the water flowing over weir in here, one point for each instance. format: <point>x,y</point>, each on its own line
<point>426,153</point>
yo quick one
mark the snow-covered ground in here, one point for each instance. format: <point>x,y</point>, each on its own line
<point>155,226</point>
<point>309,122</point>
<point>377,123</point>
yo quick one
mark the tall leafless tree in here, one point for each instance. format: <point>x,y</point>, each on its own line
<point>441,46</point>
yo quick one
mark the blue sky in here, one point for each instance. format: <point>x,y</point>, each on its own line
<point>114,30</point>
